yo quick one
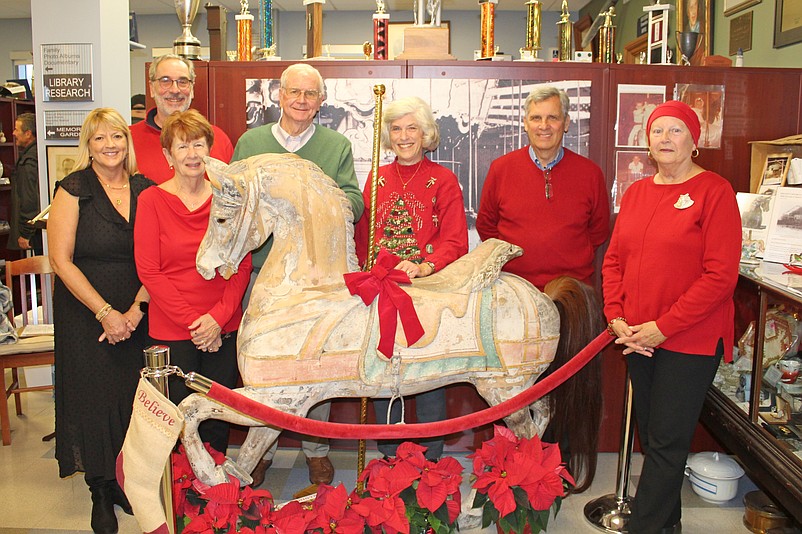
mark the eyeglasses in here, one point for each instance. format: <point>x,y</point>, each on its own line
<point>165,82</point>
<point>296,93</point>
<point>547,176</point>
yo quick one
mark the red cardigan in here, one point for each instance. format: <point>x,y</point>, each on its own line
<point>559,235</point>
<point>676,265</point>
<point>148,148</point>
<point>166,240</point>
<point>434,200</point>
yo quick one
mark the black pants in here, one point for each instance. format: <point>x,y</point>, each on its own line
<point>429,407</point>
<point>220,366</point>
<point>668,393</point>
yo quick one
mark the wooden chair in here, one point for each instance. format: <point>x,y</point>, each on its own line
<point>28,351</point>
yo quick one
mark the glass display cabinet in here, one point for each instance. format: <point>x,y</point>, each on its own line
<point>755,406</point>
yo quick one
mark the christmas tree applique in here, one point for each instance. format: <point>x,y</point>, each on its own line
<point>398,236</point>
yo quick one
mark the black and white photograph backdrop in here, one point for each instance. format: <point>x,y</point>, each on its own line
<point>479,120</point>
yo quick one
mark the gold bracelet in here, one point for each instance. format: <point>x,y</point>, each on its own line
<point>431,266</point>
<point>610,325</point>
<point>103,312</point>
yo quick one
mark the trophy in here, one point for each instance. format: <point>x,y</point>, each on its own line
<point>244,35</point>
<point>607,37</point>
<point>564,32</point>
<point>689,43</point>
<point>487,23</point>
<point>269,44</point>
<point>529,51</point>
<point>187,45</point>
<point>381,21</point>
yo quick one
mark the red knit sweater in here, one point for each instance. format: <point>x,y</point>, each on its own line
<point>559,235</point>
<point>677,266</point>
<point>166,240</point>
<point>433,199</point>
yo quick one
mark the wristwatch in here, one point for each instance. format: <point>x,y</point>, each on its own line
<point>143,306</point>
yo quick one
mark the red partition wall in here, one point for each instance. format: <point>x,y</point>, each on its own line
<point>760,104</point>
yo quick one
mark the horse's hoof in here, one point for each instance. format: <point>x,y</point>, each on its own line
<point>258,473</point>
<point>320,470</point>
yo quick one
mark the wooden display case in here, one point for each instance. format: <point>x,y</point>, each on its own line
<point>770,451</point>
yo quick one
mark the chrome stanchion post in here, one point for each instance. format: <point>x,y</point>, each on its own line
<point>610,513</point>
<point>158,357</point>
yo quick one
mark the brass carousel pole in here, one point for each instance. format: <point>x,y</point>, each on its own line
<point>378,91</point>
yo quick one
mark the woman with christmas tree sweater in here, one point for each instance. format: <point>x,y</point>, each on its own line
<point>420,217</point>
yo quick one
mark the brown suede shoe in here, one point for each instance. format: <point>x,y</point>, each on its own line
<point>320,470</point>
<point>258,473</point>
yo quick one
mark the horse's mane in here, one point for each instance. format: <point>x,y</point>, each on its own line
<point>576,410</point>
<point>317,180</point>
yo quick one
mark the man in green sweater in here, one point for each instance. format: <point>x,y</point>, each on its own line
<point>300,96</point>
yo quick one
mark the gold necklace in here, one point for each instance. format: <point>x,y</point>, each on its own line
<point>398,171</point>
<point>123,187</point>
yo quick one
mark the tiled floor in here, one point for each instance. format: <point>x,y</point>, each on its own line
<point>34,499</point>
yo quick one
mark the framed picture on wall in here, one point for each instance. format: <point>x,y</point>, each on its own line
<point>60,161</point>
<point>734,6</point>
<point>694,16</point>
<point>787,23</point>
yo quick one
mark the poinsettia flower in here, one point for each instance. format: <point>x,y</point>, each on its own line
<point>223,503</point>
<point>391,480</point>
<point>293,518</point>
<point>334,513</point>
<point>438,481</point>
<point>256,504</point>
<point>495,451</point>
<point>412,453</point>
<point>389,513</point>
<point>201,524</point>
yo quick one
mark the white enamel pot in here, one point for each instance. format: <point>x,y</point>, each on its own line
<point>714,476</point>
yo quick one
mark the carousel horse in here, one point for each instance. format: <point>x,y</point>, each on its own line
<point>305,339</point>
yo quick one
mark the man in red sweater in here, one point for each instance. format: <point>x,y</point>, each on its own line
<point>546,199</point>
<point>171,85</point>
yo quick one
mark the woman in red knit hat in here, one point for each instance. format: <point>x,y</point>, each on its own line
<point>668,278</point>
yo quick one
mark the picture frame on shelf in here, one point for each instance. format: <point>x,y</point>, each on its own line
<point>775,170</point>
<point>730,7</point>
<point>695,16</point>
<point>787,23</point>
<point>60,160</point>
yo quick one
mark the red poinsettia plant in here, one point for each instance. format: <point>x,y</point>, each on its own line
<point>402,495</point>
<point>417,495</point>
<point>518,482</point>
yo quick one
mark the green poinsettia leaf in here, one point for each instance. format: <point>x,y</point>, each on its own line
<point>479,500</point>
<point>558,502</point>
<point>489,515</point>
<point>521,499</point>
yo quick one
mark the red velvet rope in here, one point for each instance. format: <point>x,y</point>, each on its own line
<point>277,418</point>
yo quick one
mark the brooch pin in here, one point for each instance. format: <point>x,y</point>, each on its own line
<point>683,202</point>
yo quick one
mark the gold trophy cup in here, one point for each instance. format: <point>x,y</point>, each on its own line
<point>187,45</point>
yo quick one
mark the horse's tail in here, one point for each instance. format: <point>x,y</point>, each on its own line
<point>576,405</point>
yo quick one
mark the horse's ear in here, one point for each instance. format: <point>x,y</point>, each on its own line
<point>215,170</point>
